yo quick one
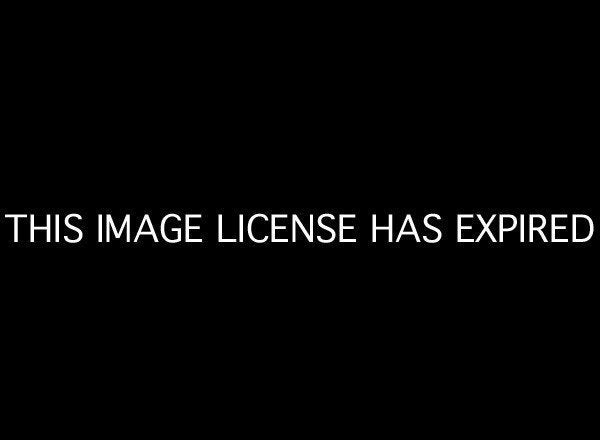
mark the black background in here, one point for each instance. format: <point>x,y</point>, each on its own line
<point>386,112</point>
